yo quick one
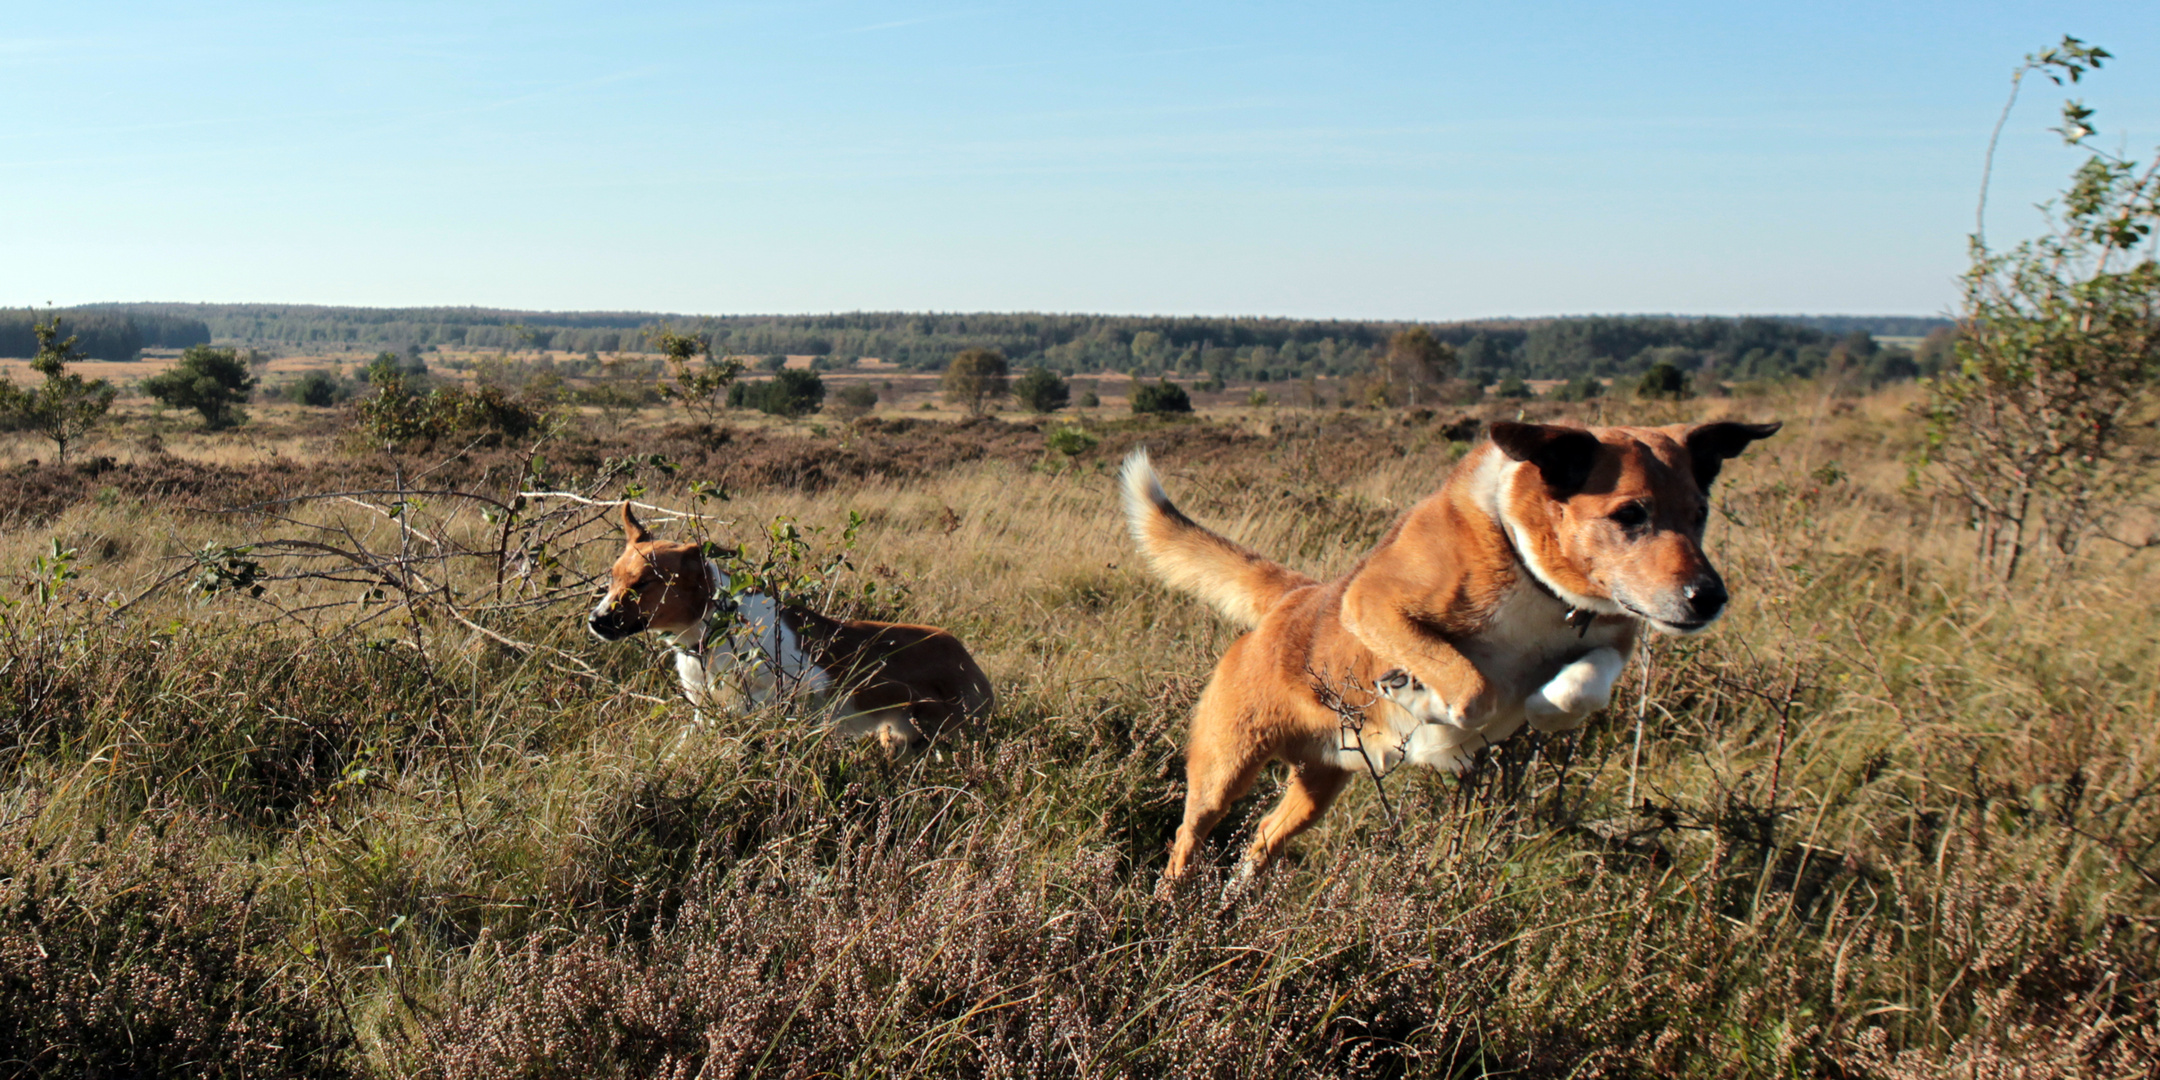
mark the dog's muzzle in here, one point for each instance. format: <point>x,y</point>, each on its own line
<point>612,622</point>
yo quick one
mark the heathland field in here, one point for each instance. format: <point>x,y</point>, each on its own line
<point>308,767</point>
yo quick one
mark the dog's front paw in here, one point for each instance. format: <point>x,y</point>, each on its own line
<point>1581,688</point>
<point>1395,683</point>
<point>1414,697</point>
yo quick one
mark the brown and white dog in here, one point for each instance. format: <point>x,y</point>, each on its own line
<point>1512,595</point>
<point>903,684</point>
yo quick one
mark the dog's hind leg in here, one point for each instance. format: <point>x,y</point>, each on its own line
<point>1311,790</point>
<point>1220,767</point>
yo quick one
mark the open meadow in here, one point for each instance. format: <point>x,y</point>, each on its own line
<point>308,767</point>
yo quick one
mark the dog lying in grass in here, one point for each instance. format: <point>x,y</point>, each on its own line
<point>1513,595</point>
<point>903,685</point>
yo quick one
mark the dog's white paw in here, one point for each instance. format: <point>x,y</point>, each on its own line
<point>1442,746</point>
<point>1414,697</point>
<point>1581,688</point>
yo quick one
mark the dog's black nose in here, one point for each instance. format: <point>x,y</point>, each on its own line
<point>1706,598</point>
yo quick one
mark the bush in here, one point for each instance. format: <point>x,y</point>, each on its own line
<point>851,401</point>
<point>213,382</point>
<point>1042,391</point>
<point>398,415</point>
<point>1089,399</point>
<point>1579,388</point>
<point>1513,388</point>
<point>317,389</point>
<point>1161,397</point>
<point>787,393</point>
<point>1071,441</point>
<point>1662,382</point>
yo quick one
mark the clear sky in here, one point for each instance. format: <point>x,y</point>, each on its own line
<point>1431,160</point>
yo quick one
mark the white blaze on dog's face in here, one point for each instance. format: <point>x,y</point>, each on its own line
<point>654,585</point>
<point>1612,520</point>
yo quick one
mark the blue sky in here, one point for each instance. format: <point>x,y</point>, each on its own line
<point>1360,160</point>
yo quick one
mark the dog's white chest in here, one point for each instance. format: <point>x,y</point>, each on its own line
<point>760,656</point>
<point>1539,669</point>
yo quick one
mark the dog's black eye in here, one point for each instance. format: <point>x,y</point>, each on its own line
<point>1702,516</point>
<point>1631,515</point>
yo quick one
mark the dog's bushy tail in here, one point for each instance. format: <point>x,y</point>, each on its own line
<point>1231,578</point>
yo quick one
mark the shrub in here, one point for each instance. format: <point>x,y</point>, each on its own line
<point>852,401</point>
<point>398,415</point>
<point>1160,397</point>
<point>1513,388</point>
<point>1042,391</point>
<point>1579,388</point>
<point>317,389</point>
<point>1662,382</point>
<point>1071,441</point>
<point>787,393</point>
<point>213,382</point>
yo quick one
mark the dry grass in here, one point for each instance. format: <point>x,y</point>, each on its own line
<point>1882,826</point>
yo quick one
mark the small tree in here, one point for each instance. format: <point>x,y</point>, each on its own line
<point>1513,388</point>
<point>1042,391</point>
<point>1663,382</point>
<point>1414,360</point>
<point>66,407</point>
<point>852,401</point>
<point>975,379</point>
<point>1160,397</point>
<point>2044,425</point>
<point>701,389</point>
<point>213,382</point>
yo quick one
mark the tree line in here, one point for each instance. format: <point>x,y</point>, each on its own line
<point>102,335</point>
<point>1255,349</point>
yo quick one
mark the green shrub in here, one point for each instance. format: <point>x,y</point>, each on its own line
<point>213,382</point>
<point>1161,397</point>
<point>1071,441</point>
<point>317,389</point>
<point>787,393</point>
<point>397,415</point>
<point>1041,390</point>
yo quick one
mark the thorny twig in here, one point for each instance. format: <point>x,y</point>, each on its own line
<point>1352,723</point>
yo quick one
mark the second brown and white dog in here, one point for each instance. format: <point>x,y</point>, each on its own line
<point>1511,596</point>
<point>903,685</point>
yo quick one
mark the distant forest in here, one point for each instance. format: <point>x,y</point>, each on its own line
<point>108,334</point>
<point>1262,349</point>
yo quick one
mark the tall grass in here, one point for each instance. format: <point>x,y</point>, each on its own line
<point>1880,825</point>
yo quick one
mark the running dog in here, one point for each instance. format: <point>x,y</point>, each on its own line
<point>904,685</point>
<point>1513,595</point>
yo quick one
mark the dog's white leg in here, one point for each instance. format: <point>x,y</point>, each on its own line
<point>696,684</point>
<point>1581,688</point>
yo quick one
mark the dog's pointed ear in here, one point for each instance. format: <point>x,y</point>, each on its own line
<point>1563,455</point>
<point>632,531</point>
<point>1711,445</point>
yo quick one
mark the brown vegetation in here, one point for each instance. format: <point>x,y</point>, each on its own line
<point>1879,823</point>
